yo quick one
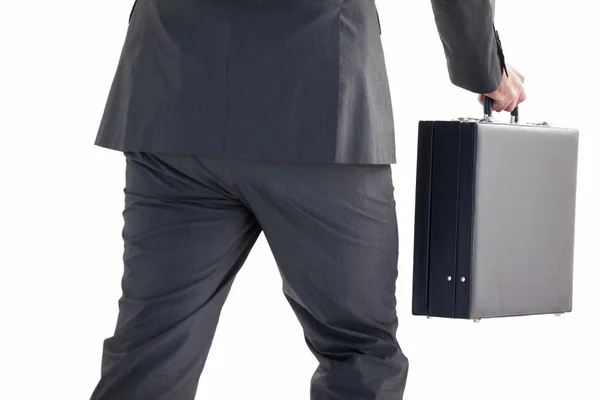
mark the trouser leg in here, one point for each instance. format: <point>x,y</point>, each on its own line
<point>333,231</point>
<point>186,236</point>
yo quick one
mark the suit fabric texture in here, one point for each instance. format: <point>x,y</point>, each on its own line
<point>300,80</point>
<point>190,223</point>
<point>245,116</point>
<point>295,80</point>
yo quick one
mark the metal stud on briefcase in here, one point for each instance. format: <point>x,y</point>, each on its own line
<point>494,218</point>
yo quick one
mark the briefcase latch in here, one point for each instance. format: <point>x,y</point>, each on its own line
<point>539,123</point>
<point>468,119</point>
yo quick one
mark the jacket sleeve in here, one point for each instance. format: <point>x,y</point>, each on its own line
<point>471,43</point>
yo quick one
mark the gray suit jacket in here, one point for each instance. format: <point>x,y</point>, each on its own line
<point>292,80</point>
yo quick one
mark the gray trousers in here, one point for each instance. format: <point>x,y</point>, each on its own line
<point>189,224</point>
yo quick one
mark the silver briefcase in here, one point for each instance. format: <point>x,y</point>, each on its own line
<point>494,218</point>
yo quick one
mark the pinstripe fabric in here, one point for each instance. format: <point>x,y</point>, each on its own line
<point>189,225</point>
<point>295,80</point>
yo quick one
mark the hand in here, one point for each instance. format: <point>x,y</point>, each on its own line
<point>510,93</point>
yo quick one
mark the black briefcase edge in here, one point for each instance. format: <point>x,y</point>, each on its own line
<point>449,234</point>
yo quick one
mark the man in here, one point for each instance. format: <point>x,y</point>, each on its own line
<point>245,116</point>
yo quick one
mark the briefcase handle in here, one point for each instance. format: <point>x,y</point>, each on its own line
<point>488,108</point>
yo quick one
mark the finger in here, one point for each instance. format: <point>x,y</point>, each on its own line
<point>522,96</point>
<point>498,107</point>
<point>512,99</point>
<point>512,102</point>
<point>512,105</point>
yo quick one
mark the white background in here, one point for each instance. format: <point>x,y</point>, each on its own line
<point>61,201</point>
